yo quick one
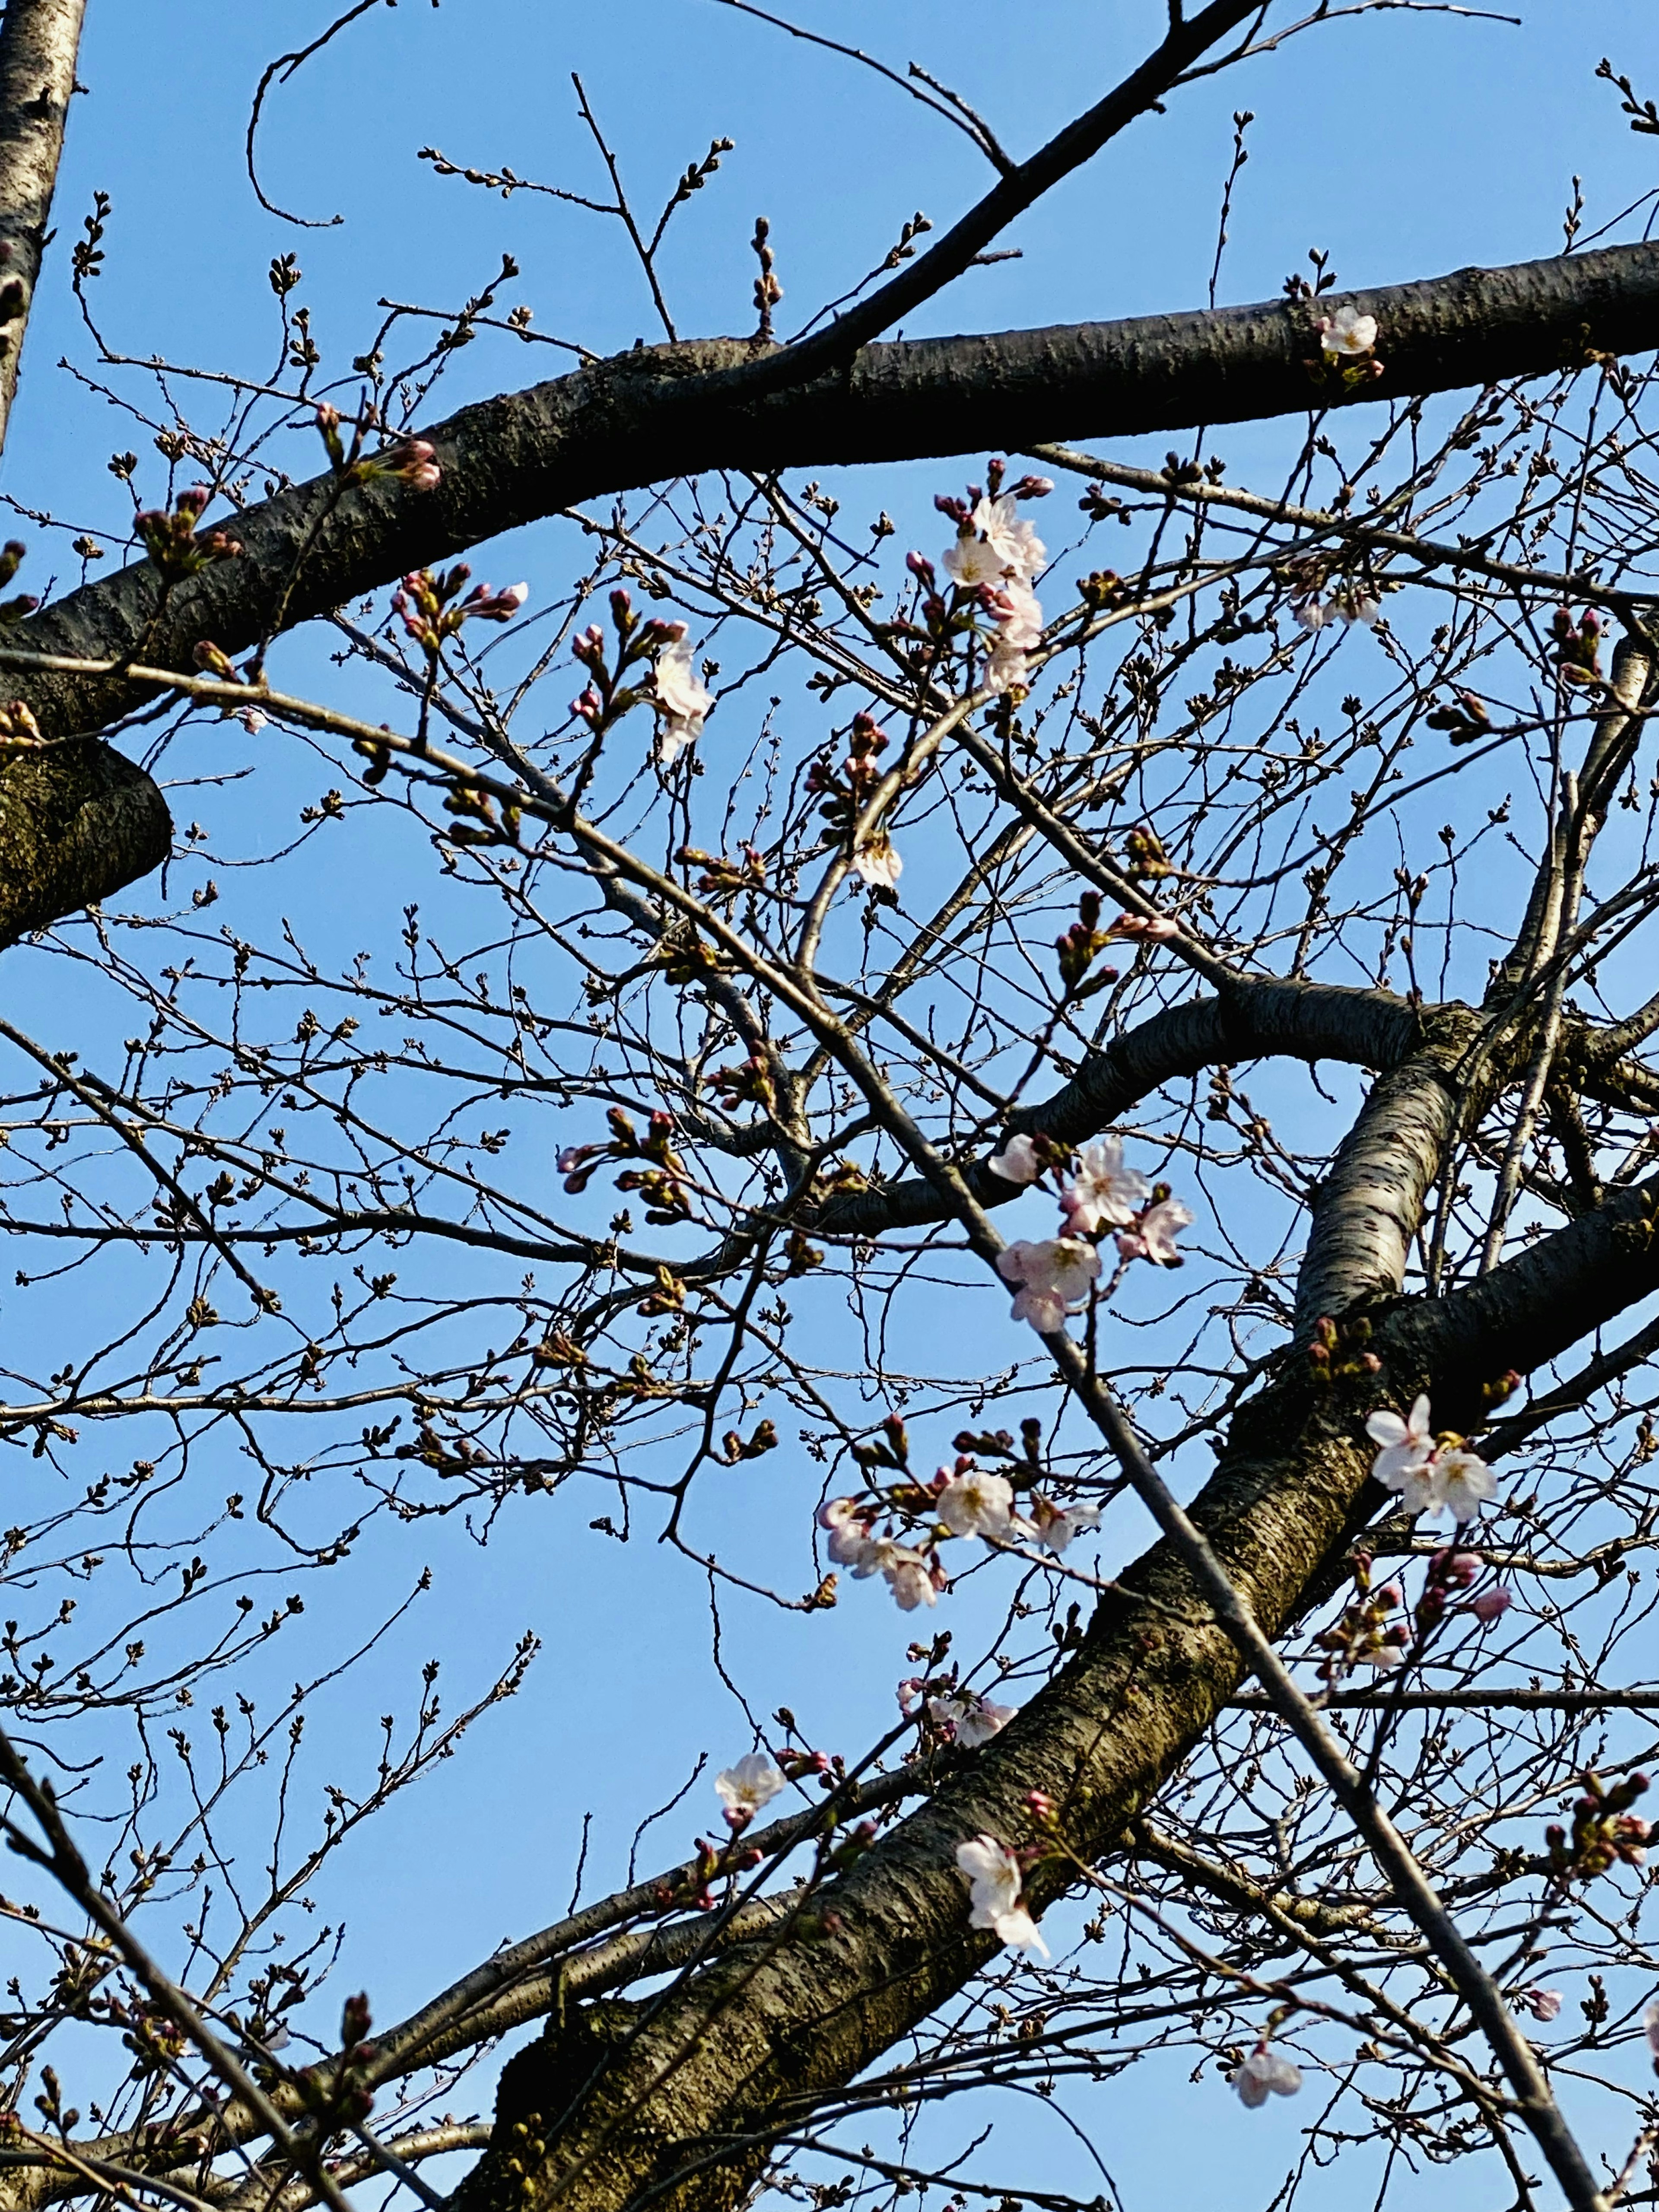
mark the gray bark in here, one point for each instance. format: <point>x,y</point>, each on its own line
<point>38,42</point>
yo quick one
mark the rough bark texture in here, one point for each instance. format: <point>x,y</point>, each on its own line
<point>76,824</point>
<point>671,2103</point>
<point>38,42</point>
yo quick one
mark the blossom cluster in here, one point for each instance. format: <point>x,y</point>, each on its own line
<point>993,563</point>
<point>1368,1634</point>
<point>897,1529</point>
<point>1432,1474</point>
<point>846,791</point>
<point>429,604</point>
<point>1098,1192</point>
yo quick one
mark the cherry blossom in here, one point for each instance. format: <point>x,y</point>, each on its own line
<point>1054,1526</point>
<point>1430,1477</point>
<point>849,1533</point>
<point>680,695</point>
<point>970,1720</point>
<point>1153,928</point>
<point>1018,1161</point>
<point>1104,1194</point>
<point>994,542</point>
<point>1491,1605</point>
<point>877,862</point>
<point>1152,1235</point>
<point>1053,1280</point>
<point>1312,612</point>
<point>745,1788</point>
<point>1542,2004</point>
<point>1463,1483</point>
<point>1019,631</point>
<point>1264,2073</point>
<point>977,1504</point>
<point>909,1579</point>
<point>1408,1446</point>
<point>1650,2023</point>
<point>1348,332</point>
<point>992,1873</point>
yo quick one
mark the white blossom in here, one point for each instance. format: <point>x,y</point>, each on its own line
<point>1264,2073</point>
<point>1152,1235</point>
<point>1104,1194</point>
<point>1018,1161</point>
<point>971,1720</point>
<point>1357,606</point>
<point>1430,1477</point>
<point>977,1504</point>
<point>1408,1446</point>
<point>1462,1482</point>
<point>908,1580</point>
<point>992,1873</point>
<point>877,861</point>
<point>752,1783</point>
<point>995,541</point>
<point>1054,1526</point>
<point>1348,332</point>
<point>1312,612</point>
<point>971,560</point>
<point>1019,631</point>
<point>1052,1279</point>
<point>681,697</point>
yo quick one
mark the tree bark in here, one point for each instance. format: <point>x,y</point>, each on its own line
<point>38,42</point>
<point>675,2102</point>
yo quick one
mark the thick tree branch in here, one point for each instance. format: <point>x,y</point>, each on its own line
<point>38,42</point>
<point>667,411</point>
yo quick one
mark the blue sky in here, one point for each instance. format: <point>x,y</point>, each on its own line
<point>1402,144</point>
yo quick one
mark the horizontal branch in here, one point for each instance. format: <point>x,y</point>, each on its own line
<point>666,411</point>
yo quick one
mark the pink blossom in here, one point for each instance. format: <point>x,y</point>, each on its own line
<point>1104,1194</point>
<point>1053,1280</point>
<point>1264,2073</point>
<point>1017,1161</point>
<point>1152,1236</point>
<point>1491,1605</point>
<point>1542,2004</point>
<point>1152,928</point>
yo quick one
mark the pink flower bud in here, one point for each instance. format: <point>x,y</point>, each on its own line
<point>1491,1605</point>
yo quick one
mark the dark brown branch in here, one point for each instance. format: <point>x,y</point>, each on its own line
<point>667,411</point>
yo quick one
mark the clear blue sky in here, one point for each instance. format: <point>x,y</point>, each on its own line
<point>1404,144</point>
